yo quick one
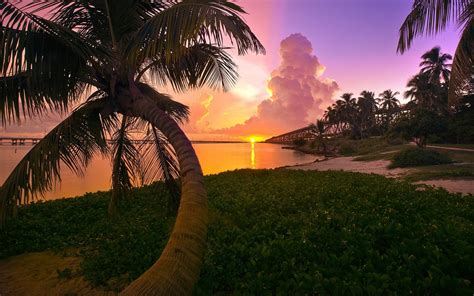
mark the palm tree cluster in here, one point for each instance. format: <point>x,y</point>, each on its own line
<point>363,116</point>
<point>429,17</point>
<point>103,58</point>
<point>368,116</point>
<point>429,88</point>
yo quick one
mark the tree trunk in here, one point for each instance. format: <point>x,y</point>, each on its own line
<point>177,269</point>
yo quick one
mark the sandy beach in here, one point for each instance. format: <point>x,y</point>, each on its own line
<point>380,167</point>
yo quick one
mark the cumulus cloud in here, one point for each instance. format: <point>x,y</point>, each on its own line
<point>298,92</point>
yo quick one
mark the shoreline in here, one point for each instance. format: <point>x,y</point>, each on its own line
<point>379,167</point>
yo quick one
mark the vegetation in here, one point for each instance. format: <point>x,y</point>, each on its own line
<point>52,54</point>
<point>431,17</point>
<point>418,157</point>
<point>346,233</point>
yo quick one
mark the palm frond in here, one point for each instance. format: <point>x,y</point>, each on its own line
<point>428,17</point>
<point>126,159</point>
<point>199,65</point>
<point>462,70</point>
<point>39,70</point>
<point>73,142</point>
<point>160,163</point>
<point>193,22</point>
<point>176,110</point>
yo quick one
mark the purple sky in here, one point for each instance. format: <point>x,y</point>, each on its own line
<point>354,40</point>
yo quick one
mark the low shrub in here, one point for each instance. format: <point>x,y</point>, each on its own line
<point>274,232</point>
<point>418,157</point>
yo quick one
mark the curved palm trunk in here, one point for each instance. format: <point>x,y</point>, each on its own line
<point>177,269</point>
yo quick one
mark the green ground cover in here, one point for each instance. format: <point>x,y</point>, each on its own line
<point>274,232</point>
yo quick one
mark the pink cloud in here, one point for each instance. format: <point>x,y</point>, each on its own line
<point>299,93</point>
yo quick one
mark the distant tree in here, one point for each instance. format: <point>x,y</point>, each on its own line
<point>435,65</point>
<point>319,130</point>
<point>419,126</point>
<point>429,17</point>
<point>389,106</point>
<point>367,108</point>
<point>427,95</point>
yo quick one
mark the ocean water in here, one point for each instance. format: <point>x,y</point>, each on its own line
<point>214,158</point>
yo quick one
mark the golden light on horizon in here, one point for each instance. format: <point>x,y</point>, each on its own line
<point>254,138</point>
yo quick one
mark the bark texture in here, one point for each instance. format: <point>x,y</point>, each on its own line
<point>177,269</point>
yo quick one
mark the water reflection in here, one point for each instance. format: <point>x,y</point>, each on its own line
<point>214,158</point>
<point>252,155</point>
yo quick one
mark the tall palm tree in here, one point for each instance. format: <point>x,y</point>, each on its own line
<point>367,107</point>
<point>108,51</point>
<point>427,95</point>
<point>319,130</point>
<point>435,65</point>
<point>429,17</point>
<point>389,105</point>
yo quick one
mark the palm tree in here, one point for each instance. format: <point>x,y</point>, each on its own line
<point>427,95</point>
<point>389,105</point>
<point>319,130</point>
<point>435,65</point>
<point>430,17</point>
<point>108,51</point>
<point>367,107</point>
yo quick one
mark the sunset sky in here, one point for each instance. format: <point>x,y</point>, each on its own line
<point>330,47</point>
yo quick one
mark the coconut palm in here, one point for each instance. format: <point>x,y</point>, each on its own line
<point>367,107</point>
<point>319,130</point>
<point>109,52</point>
<point>435,65</point>
<point>427,95</point>
<point>389,105</point>
<point>429,17</point>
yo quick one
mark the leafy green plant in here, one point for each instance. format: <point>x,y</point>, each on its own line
<point>418,157</point>
<point>274,232</point>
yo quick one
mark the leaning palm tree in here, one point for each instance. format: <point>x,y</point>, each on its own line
<point>435,64</point>
<point>53,53</point>
<point>430,17</point>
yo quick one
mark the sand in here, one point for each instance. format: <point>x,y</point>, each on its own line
<point>35,274</point>
<point>380,167</point>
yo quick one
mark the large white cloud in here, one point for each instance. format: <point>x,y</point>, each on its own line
<point>299,93</point>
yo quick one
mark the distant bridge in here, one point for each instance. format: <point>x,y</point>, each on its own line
<point>288,138</point>
<point>19,140</point>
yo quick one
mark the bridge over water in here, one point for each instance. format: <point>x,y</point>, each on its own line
<point>19,140</point>
<point>288,138</point>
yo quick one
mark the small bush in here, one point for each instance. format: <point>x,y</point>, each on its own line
<point>418,157</point>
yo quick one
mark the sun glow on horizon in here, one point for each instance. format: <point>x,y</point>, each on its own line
<point>254,139</point>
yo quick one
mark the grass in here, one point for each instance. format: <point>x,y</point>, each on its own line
<point>274,232</point>
<point>446,171</point>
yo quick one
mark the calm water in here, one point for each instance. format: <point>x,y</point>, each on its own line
<point>214,158</point>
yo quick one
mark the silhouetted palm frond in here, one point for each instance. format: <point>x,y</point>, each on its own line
<point>72,142</point>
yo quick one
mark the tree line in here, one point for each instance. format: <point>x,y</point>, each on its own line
<point>427,115</point>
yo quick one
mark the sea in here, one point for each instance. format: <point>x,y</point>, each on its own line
<point>214,158</point>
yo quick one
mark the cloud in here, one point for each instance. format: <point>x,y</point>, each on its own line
<point>298,92</point>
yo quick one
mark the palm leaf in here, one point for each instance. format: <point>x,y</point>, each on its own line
<point>176,110</point>
<point>192,22</point>
<point>73,142</point>
<point>462,68</point>
<point>428,17</point>
<point>126,159</point>
<point>160,163</point>
<point>199,65</point>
